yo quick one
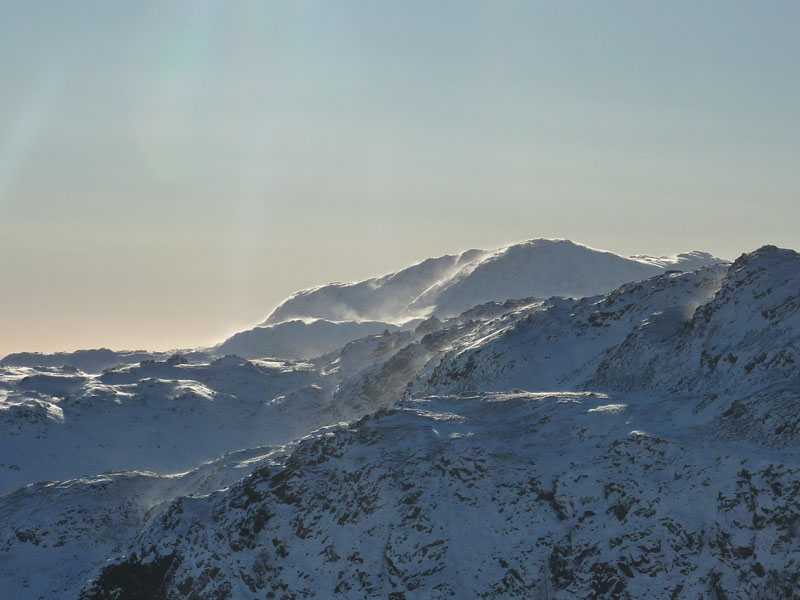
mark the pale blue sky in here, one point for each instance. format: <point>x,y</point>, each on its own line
<point>169,171</point>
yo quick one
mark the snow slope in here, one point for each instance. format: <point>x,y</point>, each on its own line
<point>449,285</point>
<point>381,299</point>
<point>466,488</point>
<point>318,320</point>
<point>162,416</point>
<point>522,495</point>
<point>642,442</point>
<point>748,334</point>
<point>90,361</point>
<point>558,343</point>
<point>298,339</point>
<point>54,533</point>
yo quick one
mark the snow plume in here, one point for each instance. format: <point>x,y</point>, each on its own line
<point>384,298</point>
<point>449,285</point>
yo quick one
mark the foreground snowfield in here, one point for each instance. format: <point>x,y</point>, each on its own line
<point>637,443</point>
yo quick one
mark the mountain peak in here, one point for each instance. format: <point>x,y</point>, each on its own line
<point>767,252</point>
<point>451,284</point>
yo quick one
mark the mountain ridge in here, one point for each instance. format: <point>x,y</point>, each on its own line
<point>595,447</point>
<point>424,283</point>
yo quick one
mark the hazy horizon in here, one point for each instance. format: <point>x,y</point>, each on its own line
<point>225,331</point>
<point>171,171</point>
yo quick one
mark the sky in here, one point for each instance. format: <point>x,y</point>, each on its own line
<point>170,171</point>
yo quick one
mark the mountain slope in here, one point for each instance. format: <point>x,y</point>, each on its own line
<point>457,491</point>
<point>380,299</point>
<point>162,416</point>
<point>545,268</point>
<point>601,447</point>
<point>449,285</point>
<point>298,339</point>
<point>748,334</point>
<point>490,496</point>
<point>53,534</point>
<point>89,361</point>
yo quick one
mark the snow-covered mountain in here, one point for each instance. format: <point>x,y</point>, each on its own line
<point>750,330</point>
<point>298,339</point>
<point>318,320</point>
<point>524,495</point>
<point>90,361</point>
<point>640,442</point>
<point>449,285</point>
<point>163,416</point>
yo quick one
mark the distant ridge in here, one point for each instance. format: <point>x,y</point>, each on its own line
<point>448,285</point>
<point>317,320</point>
